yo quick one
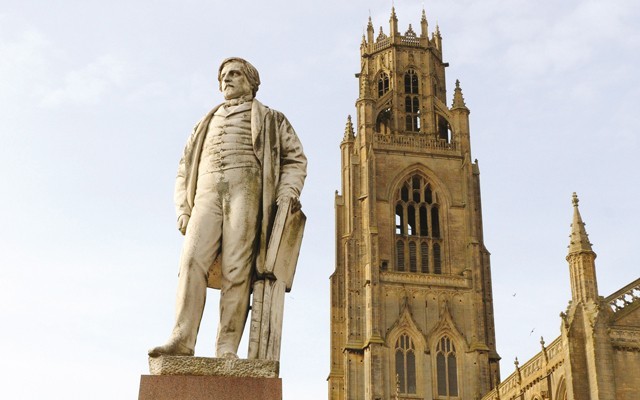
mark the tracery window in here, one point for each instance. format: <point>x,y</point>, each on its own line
<point>406,365</point>
<point>412,110</point>
<point>383,84</point>
<point>411,82</point>
<point>417,228</point>
<point>411,101</point>
<point>446,368</point>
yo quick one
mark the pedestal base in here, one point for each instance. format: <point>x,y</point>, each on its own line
<point>240,368</point>
<point>187,387</point>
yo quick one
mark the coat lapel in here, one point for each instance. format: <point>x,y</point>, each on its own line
<point>258,112</point>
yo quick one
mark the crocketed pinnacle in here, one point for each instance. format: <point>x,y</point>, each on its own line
<point>348,130</point>
<point>424,15</point>
<point>458,100</point>
<point>579,241</point>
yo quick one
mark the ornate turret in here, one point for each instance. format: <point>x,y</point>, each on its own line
<point>370,31</point>
<point>581,258</point>
<point>424,25</point>
<point>393,23</point>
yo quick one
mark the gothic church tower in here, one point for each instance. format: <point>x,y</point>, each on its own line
<point>411,302</point>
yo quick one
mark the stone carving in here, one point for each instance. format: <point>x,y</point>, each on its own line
<point>237,200</point>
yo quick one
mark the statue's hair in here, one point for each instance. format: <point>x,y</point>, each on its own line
<point>249,71</point>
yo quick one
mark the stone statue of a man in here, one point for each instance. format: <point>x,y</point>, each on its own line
<point>241,160</point>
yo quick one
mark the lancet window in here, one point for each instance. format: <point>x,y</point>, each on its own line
<point>411,101</point>
<point>446,368</point>
<point>383,84</point>
<point>418,235</point>
<point>405,365</point>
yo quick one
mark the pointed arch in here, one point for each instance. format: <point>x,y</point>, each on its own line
<point>443,128</point>
<point>446,367</point>
<point>561,391</point>
<point>446,345</point>
<point>406,344</point>
<point>419,225</point>
<point>383,83</point>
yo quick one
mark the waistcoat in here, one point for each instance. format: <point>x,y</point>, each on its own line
<point>228,142</point>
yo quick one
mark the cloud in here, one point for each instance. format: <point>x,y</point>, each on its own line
<point>88,84</point>
<point>23,62</point>
<point>30,71</point>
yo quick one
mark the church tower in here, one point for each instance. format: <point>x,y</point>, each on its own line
<point>411,302</point>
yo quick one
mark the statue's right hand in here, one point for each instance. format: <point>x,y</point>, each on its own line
<point>183,221</point>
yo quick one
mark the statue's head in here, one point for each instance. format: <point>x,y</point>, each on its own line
<point>237,77</point>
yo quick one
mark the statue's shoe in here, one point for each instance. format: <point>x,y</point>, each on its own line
<point>171,348</point>
<point>229,355</point>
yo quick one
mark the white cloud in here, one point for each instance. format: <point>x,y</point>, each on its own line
<point>23,62</point>
<point>88,84</point>
<point>30,72</point>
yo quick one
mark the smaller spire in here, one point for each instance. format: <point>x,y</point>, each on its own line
<point>381,35</point>
<point>437,38</point>
<point>579,239</point>
<point>348,130</point>
<point>370,29</point>
<point>458,99</point>
<point>424,26</point>
<point>393,22</point>
<point>410,32</point>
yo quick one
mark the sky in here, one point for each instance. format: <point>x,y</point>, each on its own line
<point>96,102</point>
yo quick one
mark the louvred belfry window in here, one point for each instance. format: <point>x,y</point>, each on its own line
<point>418,235</point>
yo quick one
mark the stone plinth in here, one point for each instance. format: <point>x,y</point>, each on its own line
<point>188,387</point>
<point>182,365</point>
<point>200,378</point>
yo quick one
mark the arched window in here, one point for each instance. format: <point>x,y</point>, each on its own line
<point>411,82</point>
<point>412,110</point>
<point>406,365</point>
<point>418,230</point>
<point>446,368</point>
<point>444,129</point>
<point>411,101</point>
<point>383,121</point>
<point>383,84</point>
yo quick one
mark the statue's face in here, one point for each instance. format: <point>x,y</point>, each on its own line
<point>233,81</point>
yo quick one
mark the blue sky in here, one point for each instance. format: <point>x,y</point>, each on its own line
<point>98,98</point>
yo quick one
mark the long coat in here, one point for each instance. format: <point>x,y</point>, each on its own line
<point>282,161</point>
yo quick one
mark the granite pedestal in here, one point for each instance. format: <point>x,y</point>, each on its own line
<point>200,378</point>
